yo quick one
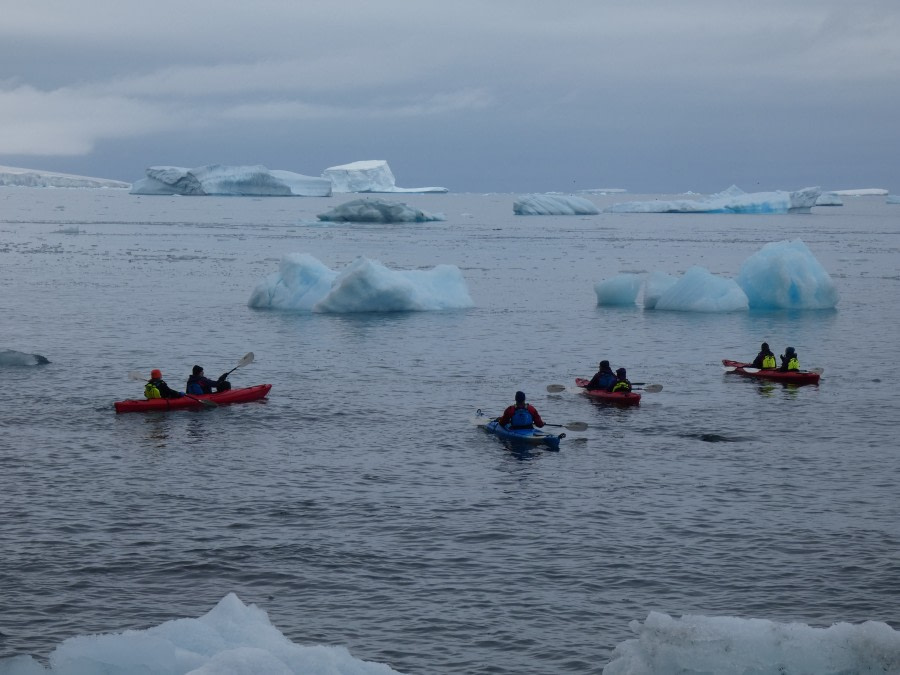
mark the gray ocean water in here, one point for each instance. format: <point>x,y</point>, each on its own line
<point>360,507</point>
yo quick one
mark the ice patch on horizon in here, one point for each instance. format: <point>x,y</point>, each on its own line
<point>786,275</point>
<point>861,192</point>
<point>11,176</point>
<point>10,357</point>
<point>377,210</point>
<point>553,205</point>
<point>219,179</point>
<point>303,283</point>
<point>368,175</point>
<point>732,200</point>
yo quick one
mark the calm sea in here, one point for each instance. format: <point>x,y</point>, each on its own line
<point>359,506</point>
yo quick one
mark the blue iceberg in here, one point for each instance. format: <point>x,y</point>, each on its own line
<point>621,290</point>
<point>10,357</point>
<point>377,210</point>
<point>655,285</point>
<point>700,291</point>
<point>786,275</point>
<point>554,205</point>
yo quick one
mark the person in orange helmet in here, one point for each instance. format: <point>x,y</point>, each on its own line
<point>156,387</point>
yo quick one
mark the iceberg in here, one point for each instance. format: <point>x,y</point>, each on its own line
<point>303,283</point>
<point>618,291</point>
<point>373,175</point>
<point>655,285</point>
<point>892,199</point>
<point>218,179</point>
<point>10,357</point>
<point>829,199</point>
<point>786,275</point>
<point>602,191</point>
<point>724,644</point>
<point>11,176</point>
<point>732,200</point>
<point>553,205</point>
<point>862,192</point>
<point>377,210</point>
<point>231,638</point>
<point>700,291</point>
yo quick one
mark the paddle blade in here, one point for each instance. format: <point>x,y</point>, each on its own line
<point>246,360</point>
<point>556,388</point>
<point>576,426</point>
<point>135,375</point>
<point>652,388</point>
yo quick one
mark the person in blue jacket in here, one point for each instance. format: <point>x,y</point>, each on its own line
<point>603,379</point>
<point>520,415</point>
<point>197,383</point>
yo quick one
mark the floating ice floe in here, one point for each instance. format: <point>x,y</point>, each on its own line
<point>371,175</point>
<point>377,210</point>
<point>893,199</point>
<point>303,283</point>
<point>218,179</point>
<point>862,192</point>
<point>11,176</point>
<point>732,200</point>
<point>602,191</point>
<point>553,205</point>
<point>621,290</point>
<point>786,275</point>
<point>829,199</point>
<point>10,357</point>
<point>231,638</point>
<point>701,644</point>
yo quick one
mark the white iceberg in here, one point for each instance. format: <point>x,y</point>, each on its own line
<point>303,283</point>
<point>10,357</point>
<point>602,191</point>
<point>553,205</point>
<point>655,285</point>
<point>218,179</point>
<point>11,176</point>
<point>621,290</point>
<point>700,291</point>
<point>231,638</point>
<point>372,175</point>
<point>732,200</point>
<point>862,192</point>
<point>377,210</point>
<point>786,275</point>
<point>695,645</point>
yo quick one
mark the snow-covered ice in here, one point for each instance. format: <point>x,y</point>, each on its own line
<point>11,176</point>
<point>368,175</point>
<point>303,283</point>
<point>786,275</point>
<point>732,200</point>
<point>553,205</point>
<point>219,179</point>
<point>377,210</point>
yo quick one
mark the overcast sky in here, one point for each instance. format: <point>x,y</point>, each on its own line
<point>472,95</point>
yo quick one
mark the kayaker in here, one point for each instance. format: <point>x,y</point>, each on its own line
<point>520,415</point>
<point>157,388</point>
<point>197,383</point>
<point>603,379</point>
<point>765,358</point>
<point>789,361</point>
<point>622,383</point>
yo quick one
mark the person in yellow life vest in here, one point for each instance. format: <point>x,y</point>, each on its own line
<point>765,359</point>
<point>622,383</point>
<point>156,387</point>
<point>789,360</point>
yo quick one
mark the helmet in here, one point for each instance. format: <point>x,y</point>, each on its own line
<point>520,397</point>
<point>620,372</point>
<point>197,370</point>
<point>155,374</point>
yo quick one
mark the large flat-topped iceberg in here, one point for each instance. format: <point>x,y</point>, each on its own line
<point>219,179</point>
<point>377,210</point>
<point>732,200</point>
<point>371,175</point>
<point>554,205</point>
<point>304,284</point>
<point>11,176</point>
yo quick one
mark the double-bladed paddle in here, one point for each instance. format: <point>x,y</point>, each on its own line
<point>635,386</point>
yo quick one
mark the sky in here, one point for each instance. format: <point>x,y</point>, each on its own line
<point>652,96</point>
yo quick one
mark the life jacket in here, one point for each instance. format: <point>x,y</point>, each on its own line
<point>769,361</point>
<point>521,419</point>
<point>622,385</point>
<point>151,390</point>
<point>793,364</point>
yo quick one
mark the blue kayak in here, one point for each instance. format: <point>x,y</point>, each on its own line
<point>524,436</point>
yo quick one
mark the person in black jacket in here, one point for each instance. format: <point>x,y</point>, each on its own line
<point>197,383</point>
<point>765,358</point>
<point>156,387</point>
<point>603,379</point>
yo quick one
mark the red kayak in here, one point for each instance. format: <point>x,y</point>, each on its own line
<point>242,395</point>
<point>786,376</point>
<point>617,397</point>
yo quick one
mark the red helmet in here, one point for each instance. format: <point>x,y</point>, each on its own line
<point>155,374</point>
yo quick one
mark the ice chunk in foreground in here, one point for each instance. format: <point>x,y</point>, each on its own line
<point>655,285</point>
<point>621,290</point>
<point>377,210</point>
<point>10,357</point>
<point>699,291</point>
<point>371,175</point>
<point>732,200</point>
<point>217,179</point>
<point>785,274</point>
<point>305,284</point>
<point>695,645</point>
<point>554,205</point>
<point>11,176</point>
<point>232,638</point>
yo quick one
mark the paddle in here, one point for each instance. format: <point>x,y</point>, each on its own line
<point>571,426</point>
<point>649,388</point>
<point>753,371</point>
<point>245,360</point>
<point>135,375</point>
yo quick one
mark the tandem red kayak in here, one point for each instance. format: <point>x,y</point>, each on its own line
<point>242,395</point>
<point>617,397</point>
<point>786,376</point>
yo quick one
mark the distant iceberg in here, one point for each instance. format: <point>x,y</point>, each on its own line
<point>230,638</point>
<point>303,283</point>
<point>10,357</point>
<point>700,291</point>
<point>553,205</point>
<point>829,199</point>
<point>727,644</point>
<point>863,192</point>
<point>373,175</point>
<point>732,200</point>
<point>218,179</point>
<point>621,290</point>
<point>377,210</point>
<point>11,176</point>
<point>602,191</point>
<point>786,275</point>
<point>893,199</point>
